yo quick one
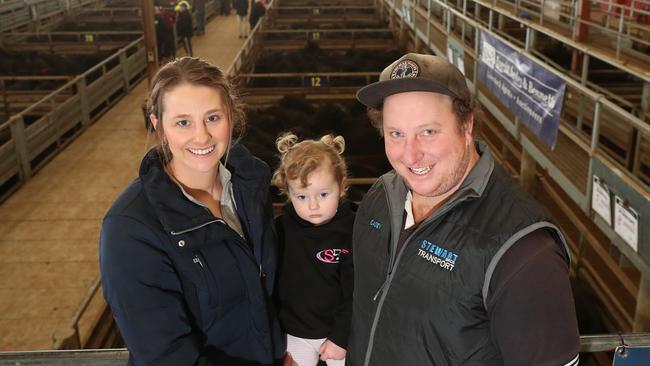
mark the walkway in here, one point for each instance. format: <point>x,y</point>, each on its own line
<point>50,227</point>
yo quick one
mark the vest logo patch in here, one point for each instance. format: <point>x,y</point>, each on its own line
<point>375,224</point>
<point>331,255</point>
<point>437,255</point>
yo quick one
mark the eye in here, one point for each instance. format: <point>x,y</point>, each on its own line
<point>183,123</point>
<point>428,132</point>
<point>395,134</point>
<point>213,118</point>
<point>301,197</point>
<point>324,194</point>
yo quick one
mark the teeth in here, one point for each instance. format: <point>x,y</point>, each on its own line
<point>421,171</point>
<point>202,151</point>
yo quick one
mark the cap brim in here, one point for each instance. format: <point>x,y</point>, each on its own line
<point>373,95</point>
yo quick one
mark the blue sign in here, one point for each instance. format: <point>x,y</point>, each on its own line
<point>631,356</point>
<point>532,93</point>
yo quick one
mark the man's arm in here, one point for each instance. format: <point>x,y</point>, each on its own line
<point>531,306</point>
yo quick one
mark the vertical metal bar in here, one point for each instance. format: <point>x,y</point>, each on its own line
<point>17,128</point>
<point>609,14</point>
<point>477,42</point>
<point>635,154</point>
<point>530,39</point>
<point>462,35</point>
<point>619,34</point>
<point>541,12</point>
<point>595,131</point>
<point>490,19</point>
<point>583,81</point>
<point>448,18</point>
<point>428,23</point>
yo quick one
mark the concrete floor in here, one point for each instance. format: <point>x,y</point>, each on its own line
<point>50,226</point>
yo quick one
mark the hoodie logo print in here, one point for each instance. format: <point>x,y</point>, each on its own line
<point>331,255</point>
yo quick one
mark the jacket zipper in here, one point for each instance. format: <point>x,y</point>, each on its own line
<point>246,249</point>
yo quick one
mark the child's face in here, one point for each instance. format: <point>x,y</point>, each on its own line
<point>318,201</point>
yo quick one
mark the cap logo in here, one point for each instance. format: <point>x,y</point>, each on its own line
<point>405,69</point>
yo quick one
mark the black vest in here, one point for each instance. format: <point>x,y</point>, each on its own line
<point>426,306</point>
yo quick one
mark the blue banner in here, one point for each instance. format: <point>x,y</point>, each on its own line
<point>532,93</point>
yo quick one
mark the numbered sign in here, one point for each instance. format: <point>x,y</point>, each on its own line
<point>89,38</point>
<point>316,11</point>
<point>314,36</point>
<point>315,81</point>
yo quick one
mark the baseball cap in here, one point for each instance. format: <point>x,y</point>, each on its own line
<point>416,72</point>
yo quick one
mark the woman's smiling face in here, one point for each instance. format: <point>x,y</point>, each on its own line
<point>196,128</point>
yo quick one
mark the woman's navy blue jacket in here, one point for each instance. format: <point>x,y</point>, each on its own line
<point>184,288</point>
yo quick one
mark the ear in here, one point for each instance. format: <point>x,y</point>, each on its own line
<point>344,187</point>
<point>469,128</point>
<point>154,121</point>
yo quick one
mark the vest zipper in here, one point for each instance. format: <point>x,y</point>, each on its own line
<point>391,266</point>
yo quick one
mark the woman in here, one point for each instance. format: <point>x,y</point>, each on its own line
<point>187,252</point>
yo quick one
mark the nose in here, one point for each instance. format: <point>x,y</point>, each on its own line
<point>313,204</point>
<point>412,151</point>
<point>201,133</point>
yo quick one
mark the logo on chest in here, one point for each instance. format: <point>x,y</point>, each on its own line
<point>331,256</point>
<point>437,255</point>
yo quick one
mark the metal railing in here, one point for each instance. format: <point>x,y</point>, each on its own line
<point>119,357</point>
<point>27,147</point>
<point>21,14</point>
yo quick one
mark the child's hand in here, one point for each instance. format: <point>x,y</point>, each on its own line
<point>330,351</point>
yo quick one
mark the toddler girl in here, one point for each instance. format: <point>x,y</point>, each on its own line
<point>315,228</point>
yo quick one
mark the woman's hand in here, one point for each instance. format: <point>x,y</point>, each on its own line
<point>330,351</point>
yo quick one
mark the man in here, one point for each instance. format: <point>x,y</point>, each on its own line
<point>454,263</point>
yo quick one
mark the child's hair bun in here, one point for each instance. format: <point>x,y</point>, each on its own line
<point>285,142</point>
<point>337,142</point>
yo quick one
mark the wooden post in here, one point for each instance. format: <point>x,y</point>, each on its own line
<point>149,38</point>
<point>642,312</point>
<point>528,172</point>
<point>17,128</point>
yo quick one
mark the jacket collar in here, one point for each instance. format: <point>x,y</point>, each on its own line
<point>176,212</point>
<point>473,185</point>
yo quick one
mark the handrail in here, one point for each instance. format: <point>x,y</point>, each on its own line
<point>347,30</point>
<point>295,74</point>
<point>74,323</point>
<point>608,342</point>
<point>119,356</point>
<point>564,39</point>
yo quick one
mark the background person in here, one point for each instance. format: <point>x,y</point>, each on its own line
<point>242,7</point>
<point>184,27</point>
<point>455,264</point>
<point>258,9</point>
<point>187,251</point>
<point>315,273</point>
<point>199,13</point>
